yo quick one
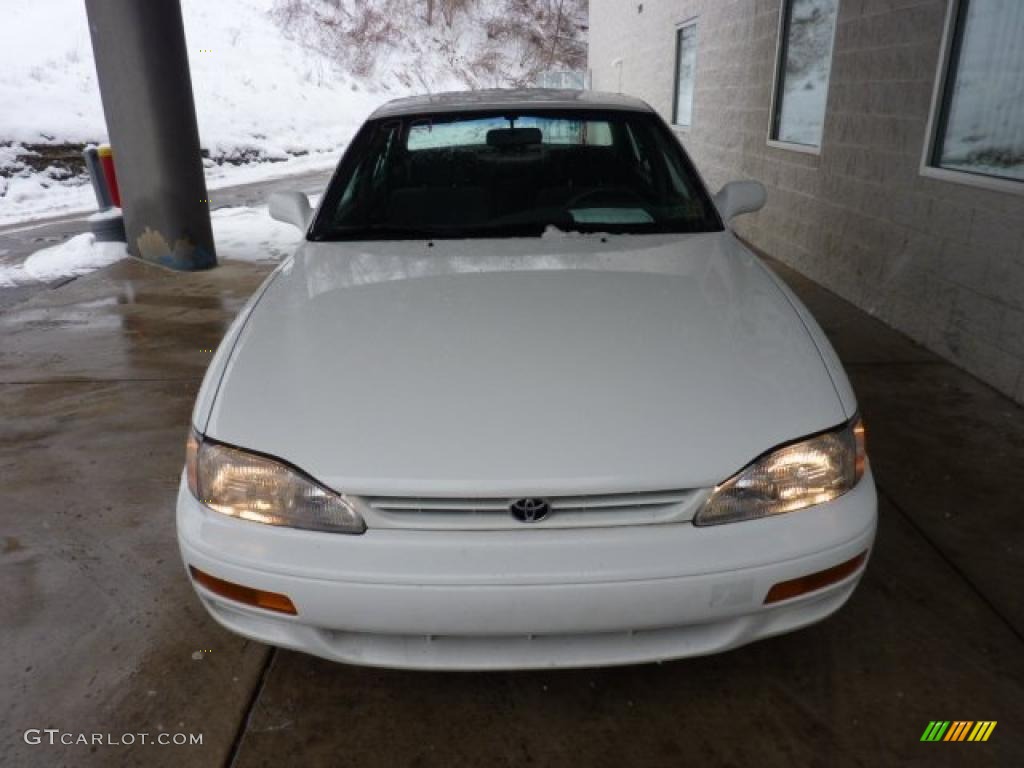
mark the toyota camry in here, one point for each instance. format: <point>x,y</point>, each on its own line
<point>520,399</point>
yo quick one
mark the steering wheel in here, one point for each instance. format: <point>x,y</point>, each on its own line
<point>603,191</point>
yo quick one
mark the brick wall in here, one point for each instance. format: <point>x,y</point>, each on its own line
<point>939,260</point>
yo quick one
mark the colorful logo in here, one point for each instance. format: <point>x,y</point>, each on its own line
<point>958,730</point>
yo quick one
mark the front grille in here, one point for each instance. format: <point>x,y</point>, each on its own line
<point>566,511</point>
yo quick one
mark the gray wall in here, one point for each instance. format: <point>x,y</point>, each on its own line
<point>939,260</point>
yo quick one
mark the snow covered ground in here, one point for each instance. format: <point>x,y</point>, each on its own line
<point>77,256</point>
<point>241,234</point>
<point>258,95</point>
<point>249,234</point>
<point>27,199</point>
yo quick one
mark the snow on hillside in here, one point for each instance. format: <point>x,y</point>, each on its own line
<point>281,82</point>
<point>440,44</point>
<point>259,95</point>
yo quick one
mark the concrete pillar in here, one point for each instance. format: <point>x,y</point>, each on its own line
<point>142,67</point>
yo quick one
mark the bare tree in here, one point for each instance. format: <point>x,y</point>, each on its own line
<point>451,8</point>
<point>521,38</point>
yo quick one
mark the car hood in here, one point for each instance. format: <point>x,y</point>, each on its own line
<point>566,364</point>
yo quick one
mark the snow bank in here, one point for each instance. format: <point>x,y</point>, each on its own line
<point>241,234</point>
<point>249,234</point>
<point>76,256</point>
<point>32,197</point>
<point>36,196</point>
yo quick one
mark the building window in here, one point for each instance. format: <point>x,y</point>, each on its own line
<point>979,124</point>
<point>686,70</point>
<point>806,37</point>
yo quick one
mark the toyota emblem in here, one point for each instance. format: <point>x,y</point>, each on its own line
<point>529,510</point>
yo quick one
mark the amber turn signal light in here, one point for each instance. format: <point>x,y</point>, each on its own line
<point>784,590</point>
<point>271,601</point>
<point>860,439</point>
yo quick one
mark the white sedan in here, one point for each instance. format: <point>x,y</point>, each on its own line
<point>521,399</point>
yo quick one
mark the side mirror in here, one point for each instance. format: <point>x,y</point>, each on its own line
<point>291,208</point>
<point>738,197</point>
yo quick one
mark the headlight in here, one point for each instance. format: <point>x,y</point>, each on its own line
<point>251,487</point>
<point>798,475</point>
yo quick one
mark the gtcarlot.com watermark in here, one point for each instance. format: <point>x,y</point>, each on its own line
<point>55,736</point>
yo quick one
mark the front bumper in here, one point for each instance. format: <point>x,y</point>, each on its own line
<point>531,598</point>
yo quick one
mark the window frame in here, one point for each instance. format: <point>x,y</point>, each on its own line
<point>691,22</point>
<point>781,49</point>
<point>942,92</point>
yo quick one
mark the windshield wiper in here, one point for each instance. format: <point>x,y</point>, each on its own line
<point>388,232</point>
<point>508,228</point>
<point>383,232</point>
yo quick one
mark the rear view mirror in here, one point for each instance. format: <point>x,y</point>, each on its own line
<point>739,197</point>
<point>291,208</point>
<point>513,137</point>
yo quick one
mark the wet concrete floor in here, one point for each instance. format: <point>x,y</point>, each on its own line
<point>101,632</point>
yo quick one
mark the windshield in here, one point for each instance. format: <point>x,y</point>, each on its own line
<point>513,174</point>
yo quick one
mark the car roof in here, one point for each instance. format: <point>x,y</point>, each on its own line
<point>516,98</point>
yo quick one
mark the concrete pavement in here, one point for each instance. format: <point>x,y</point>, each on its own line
<point>101,631</point>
